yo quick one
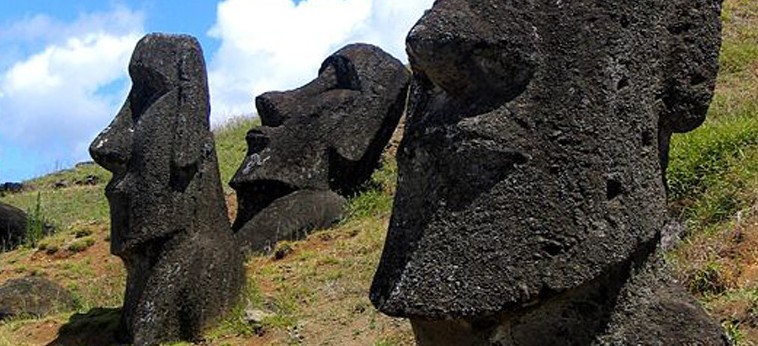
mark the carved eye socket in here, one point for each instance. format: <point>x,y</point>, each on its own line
<point>148,85</point>
<point>344,71</point>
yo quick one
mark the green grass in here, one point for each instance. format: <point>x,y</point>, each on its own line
<point>231,146</point>
<point>70,177</point>
<point>80,245</point>
<point>713,181</point>
<point>65,206</point>
<point>376,199</point>
<point>713,170</point>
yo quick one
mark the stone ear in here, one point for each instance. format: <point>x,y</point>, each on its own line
<point>692,68</point>
<point>186,155</point>
<point>344,69</point>
<point>188,146</point>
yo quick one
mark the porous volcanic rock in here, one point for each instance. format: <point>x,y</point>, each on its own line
<point>33,296</point>
<point>168,215</point>
<point>291,217</point>
<point>325,136</point>
<point>12,227</point>
<point>532,163</point>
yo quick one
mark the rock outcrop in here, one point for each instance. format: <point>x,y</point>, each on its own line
<point>317,144</point>
<point>11,187</point>
<point>12,227</point>
<point>531,196</point>
<point>33,296</point>
<point>168,215</point>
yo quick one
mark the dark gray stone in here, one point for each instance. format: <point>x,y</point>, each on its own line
<point>168,215</point>
<point>634,303</point>
<point>11,187</point>
<point>290,218</point>
<point>535,142</point>
<point>325,136</point>
<point>33,297</point>
<point>12,227</point>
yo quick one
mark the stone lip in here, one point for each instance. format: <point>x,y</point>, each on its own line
<point>326,136</point>
<point>634,303</point>
<point>518,188</point>
<point>291,217</point>
<point>168,214</point>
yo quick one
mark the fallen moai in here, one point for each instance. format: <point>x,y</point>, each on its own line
<point>168,214</point>
<point>531,197</point>
<point>317,144</point>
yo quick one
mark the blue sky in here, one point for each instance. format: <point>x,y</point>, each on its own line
<point>63,66</point>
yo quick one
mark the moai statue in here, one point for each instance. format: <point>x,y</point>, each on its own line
<point>530,193</point>
<point>317,144</point>
<point>168,214</point>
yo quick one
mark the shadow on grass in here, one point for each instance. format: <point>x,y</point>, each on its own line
<point>98,326</point>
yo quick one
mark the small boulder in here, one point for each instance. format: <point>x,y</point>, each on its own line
<point>11,187</point>
<point>33,296</point>
<point>12,227</point>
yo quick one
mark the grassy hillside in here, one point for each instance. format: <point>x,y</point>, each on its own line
<point>714,185</point>
<point>315,292</point>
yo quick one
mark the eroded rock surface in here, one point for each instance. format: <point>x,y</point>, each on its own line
<point>33,296</point>
<point>168,215</point>
<point>533,158</point>
<point>323,140</point>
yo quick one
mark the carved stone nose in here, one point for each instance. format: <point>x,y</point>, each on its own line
<point>269,111</point>
<point>111,149</point>
<point>256,141</point>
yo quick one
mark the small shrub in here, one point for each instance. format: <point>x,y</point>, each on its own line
<point>733,332</point>
<point>708,280</point>
<point>35,224</point>
<point>51,249</point>
<point>283,249</point>
<point>83,232</point>
<point>81,244</point>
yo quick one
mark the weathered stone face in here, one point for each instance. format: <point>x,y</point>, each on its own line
<point>168,215</point>
<point>534,145</point>
<point>325,136</point>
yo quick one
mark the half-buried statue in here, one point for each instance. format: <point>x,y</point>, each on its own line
<point>530,195</point>
<point>318,144</point>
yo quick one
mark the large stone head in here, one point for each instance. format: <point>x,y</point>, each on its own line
<point>159,146</point>
<point>532,157</point>
<point>326,135</point>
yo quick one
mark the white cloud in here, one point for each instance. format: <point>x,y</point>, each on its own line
<point>278,45</point>
<point>42,27</point>
<point>56,99</point>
